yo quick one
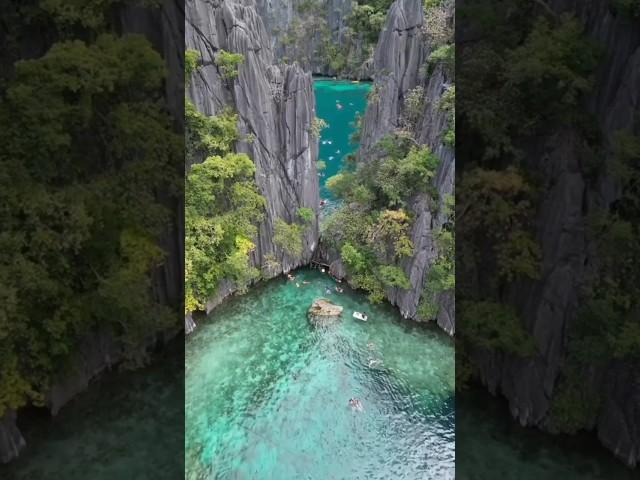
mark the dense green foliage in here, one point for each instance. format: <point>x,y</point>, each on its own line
<point>367,20</point>
<point>288,237</point>
<point>306,214</point>
<point>514,85</point>
<point>526,78</point>
<point>222,206</point>
<point>515,91</point>
<point>191,59</point>
<point>372,228</point>
<point>629,8</point>
<point>228,63</point>
<point>87,147</point>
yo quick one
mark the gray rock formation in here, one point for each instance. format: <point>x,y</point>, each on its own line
<point>276,108</point>
<point>323,313</point>
<point>280,16</point>
<point>549,304</point>
<point>401,52</point>
<point>98,351</point>
<point>11,440</point>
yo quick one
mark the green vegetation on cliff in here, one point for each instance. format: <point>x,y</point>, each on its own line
<point>88,149</point>
<point>222,205</point>
<point>346,56</point>
<point>371,230</point>
<point>607,329</point>
<point>518,89</point>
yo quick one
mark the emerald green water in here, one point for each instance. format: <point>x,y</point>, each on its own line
<point>128,425</point>
<point>338,102</point>
<point>491,445</point>
<point>267,394</point>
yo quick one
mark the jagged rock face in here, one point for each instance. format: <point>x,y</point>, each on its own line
<point>11,440</point>
<point>98,350</point>
<point>402,49</point>
<point>549,304</point>
<point>279,15</point>
<point>276,107</point>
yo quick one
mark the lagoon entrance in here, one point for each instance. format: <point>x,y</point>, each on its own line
<point>268,393</point>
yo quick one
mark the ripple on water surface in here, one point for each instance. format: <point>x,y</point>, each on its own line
<point>267,394</point>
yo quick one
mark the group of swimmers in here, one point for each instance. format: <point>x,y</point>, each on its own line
<point>328,291</point>
<point>292,278</point>
<point>338,289</point>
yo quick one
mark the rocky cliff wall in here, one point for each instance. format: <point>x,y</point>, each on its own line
<point>549,305</point>
<point>298,30</point>
<point>399,65</point>
<point>276,108</point>
<point>98,350</point>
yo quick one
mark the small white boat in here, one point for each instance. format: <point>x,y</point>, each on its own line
<point>360,316</point>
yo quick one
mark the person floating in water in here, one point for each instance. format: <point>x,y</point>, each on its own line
<point>290,277</point>
<point>339,290</point>
<point>328,291</point>
<point>356,404</point>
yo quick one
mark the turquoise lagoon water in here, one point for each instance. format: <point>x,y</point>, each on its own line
<point>338,102</point>
<point>491,445</point>
<point>128,425</point>
<point>267,394</point>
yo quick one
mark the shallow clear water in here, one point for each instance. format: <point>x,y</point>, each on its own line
<point>338,102</point>
<point>267,394</point>
<point>126,426</point>
<point>491,445</point>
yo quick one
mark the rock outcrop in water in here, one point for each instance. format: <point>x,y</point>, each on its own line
<point>276,108</point>
<point>400,57</point>
<point>323,313</point>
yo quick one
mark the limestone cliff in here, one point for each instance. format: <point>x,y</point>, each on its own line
<point>98,350</point>
<point>550,305</point>
<point>299,30</point>
<point>276,108</point>
<point>400,65</point>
